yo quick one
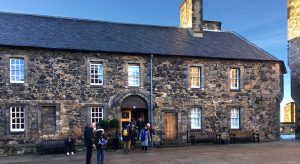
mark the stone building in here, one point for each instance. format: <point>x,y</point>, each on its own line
<point>294,55</point>
<point>58,74</point>
<point>288,124</point>
<point>289,112</point>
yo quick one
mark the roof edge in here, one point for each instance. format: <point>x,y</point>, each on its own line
<point>246,40</point>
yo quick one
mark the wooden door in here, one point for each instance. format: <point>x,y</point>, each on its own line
<point>170,126</point>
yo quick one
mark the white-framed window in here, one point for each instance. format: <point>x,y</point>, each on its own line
<point>96,114</point>
<point>196,118</point>
<point>235,119</point>
<point>17,119</point>
<point>96,74</point>
<point>16,70</point>
<point>133,75</point>
<point>234,78</point>
<point>195,77</point>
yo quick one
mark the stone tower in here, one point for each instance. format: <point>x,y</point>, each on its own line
<point>191,16</point>
<point>294,55</point>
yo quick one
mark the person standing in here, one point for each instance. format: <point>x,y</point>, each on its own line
<point>126,138</point>
<point>133,135</point>
<point>70,144</point>
<point>100,142</point>
<point>88,141</point>
<point>139,125</point>
<point>145,138</point>
<point>151,131</point>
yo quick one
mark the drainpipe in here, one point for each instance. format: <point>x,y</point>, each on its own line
<point>151,90</point>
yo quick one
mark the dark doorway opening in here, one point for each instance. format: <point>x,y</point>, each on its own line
<point>132,108</point>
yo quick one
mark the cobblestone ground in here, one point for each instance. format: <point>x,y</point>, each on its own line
<point>264,153</point>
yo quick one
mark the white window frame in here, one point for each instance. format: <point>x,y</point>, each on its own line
<point>197,78</point>
<point>134,75</point>
<point>99,74</point>
<point>235,118</point>
<point>196,118</point>
<point>16,70</point>
<point>17,119</point>
<point>234,78</point>
<point>96,114</point>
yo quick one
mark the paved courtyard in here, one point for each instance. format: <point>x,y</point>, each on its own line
<point>287,152</point>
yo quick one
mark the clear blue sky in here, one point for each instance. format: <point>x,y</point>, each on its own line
<point>263,22</point>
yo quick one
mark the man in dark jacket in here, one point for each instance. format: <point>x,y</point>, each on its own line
<point>89,141</point>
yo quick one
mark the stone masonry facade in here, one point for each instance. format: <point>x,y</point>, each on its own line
<point>294,55</point>
<point>59,80</point>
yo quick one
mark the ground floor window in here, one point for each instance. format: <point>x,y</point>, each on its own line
<point>17,119</point>
<point>96,114</point>
<point>235,118</point>
<point>195,118</point>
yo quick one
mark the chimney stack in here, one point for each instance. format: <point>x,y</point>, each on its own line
<point>191,16</point>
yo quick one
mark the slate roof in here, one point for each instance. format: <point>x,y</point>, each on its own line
<point>87,35</point>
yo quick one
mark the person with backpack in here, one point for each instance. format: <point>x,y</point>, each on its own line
<point>126,139</point>
<point>145,138</point>
<point>100,143</point>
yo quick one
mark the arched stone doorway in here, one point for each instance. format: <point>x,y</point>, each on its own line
<point>132,108</point>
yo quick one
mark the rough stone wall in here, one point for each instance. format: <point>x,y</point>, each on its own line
<point>294,64</point>
<point>258,99</point>
<point>60,79</point>
<point>293,19</point>
<point>294,55</point>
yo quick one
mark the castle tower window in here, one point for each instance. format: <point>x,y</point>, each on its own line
<point>133,75</point>
<point>96,114</point>
<point>16,70</point>
<point>96,75</point>
<point>17,119</point>
<point>234,79</point>
<point>195,77</point>
<point>196,118</point>
<point>235,119</point>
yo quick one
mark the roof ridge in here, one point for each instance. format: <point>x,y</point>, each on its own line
<point>87,20</point>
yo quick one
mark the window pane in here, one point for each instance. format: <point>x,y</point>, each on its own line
<point>196,118</point>
<point>133,75</point>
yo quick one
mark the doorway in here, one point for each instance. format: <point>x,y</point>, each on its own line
<point>132,108</point>
<point>170,126</point>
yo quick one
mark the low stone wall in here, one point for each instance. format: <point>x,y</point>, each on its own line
<point>12,148</point>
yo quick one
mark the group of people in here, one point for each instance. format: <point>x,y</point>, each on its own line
<point>94,139</point>
<point>137,130</point>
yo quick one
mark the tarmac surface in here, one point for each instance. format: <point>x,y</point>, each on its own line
<point>281,152</point>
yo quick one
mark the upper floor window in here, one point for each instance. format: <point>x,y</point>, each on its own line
<point>17,119</point>
<point>16,70</point>
<point>235,119</point>
<point>96,114</point>
<point>96,74</point>
<point>196,118</point>
<point>133,75</point>
<point>234,78</point>
<point>195,77</point>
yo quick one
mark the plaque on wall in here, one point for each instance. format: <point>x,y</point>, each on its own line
<point>125,114</point>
